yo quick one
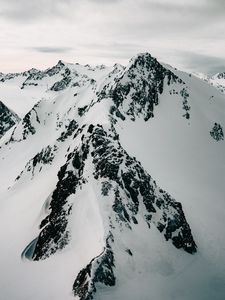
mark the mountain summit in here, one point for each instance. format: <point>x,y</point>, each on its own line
<point>112,184</point>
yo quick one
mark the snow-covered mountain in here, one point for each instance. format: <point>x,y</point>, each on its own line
<point>112,184</point>
<point>217,80</point>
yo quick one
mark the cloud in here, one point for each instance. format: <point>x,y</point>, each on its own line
<point>110,31</point>
<point>32,10</point>
<point>216,3</point>
<point>112,2</point>
<point>27,10</point>
<point>52,49</point>
<point>202,63</point>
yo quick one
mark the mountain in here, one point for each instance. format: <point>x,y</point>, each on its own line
<point>112,185</point>
<point>217,80</point>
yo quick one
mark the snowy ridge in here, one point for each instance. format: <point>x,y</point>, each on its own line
<point>217,80</point>
<point>87,205</point>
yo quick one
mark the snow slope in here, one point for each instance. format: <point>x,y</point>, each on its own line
<point>83,211</point>
<point>21,91</point>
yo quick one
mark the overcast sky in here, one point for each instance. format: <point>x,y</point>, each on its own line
<point>188,34</point>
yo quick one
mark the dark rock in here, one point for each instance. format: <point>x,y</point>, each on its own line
<point>85,283</point>
<point>186,106</point>
<point>141,83</point>
<point>217,132</point>
<point>61,85</point>
<point>55,236</point>
<point>69,131</point>
<point>106,187</point>
<point>129,252</point>
<point>7,119</point>
<point>82,110</point>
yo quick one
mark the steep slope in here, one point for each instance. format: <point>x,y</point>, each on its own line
<point>84,217</point>
<point>7,119</point>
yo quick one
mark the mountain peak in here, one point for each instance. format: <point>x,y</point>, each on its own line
<point>142,59</point>
<point>61,63</point>
<point>107,184</point>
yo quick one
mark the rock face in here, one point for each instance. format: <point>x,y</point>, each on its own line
<point>106,154</point>
<point>217,132</point>
<point>27,126</point>
<point>63,83</point>
<point>85,284</point>
<point>124,180</point>
<point>139,87</point>
<point>7,119</point>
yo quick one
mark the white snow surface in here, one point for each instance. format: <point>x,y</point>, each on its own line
<point>178,153</point>
<point>217,80</point>
<point>189,164</point>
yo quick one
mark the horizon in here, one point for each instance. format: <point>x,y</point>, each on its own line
<point>108,66</point>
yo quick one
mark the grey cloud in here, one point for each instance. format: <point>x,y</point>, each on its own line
<point>115,30</point>
<point>27,10</point>
<point>216,3</point>
<point>33,10</point>
<point>112,46</point>
<point>106,1</point>
<point>202,63</point>
<point>114,50</point>
<point>197,11</point>
<point>52,49</point>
